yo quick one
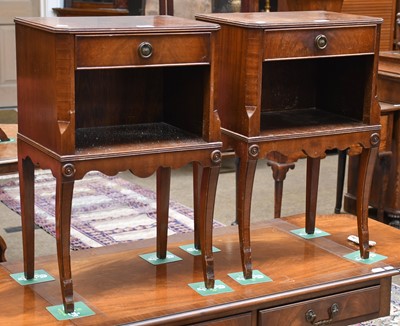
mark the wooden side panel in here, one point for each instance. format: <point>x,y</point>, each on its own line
<point>45,88</point>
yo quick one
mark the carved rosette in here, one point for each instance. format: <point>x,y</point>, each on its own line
<point>375,139</point>
<point>254,150</point>
<point>216,157</point>
<point>68,170</point>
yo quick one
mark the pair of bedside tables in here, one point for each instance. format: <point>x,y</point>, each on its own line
<point>148,94</point>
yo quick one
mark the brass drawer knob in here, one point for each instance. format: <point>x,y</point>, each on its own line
<point>321,42</point>
<point>145,50</point>
<point>311,316</point>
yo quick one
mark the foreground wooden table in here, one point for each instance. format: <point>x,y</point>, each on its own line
<point>307,274</point>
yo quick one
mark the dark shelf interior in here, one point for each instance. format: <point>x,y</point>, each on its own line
<point>146,106</point>
<point>315,94</point>
<point>306,121</point>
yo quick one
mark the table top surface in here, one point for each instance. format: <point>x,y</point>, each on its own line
<point>288,19</point>
<point>121,287</point>
<point>112,24</point>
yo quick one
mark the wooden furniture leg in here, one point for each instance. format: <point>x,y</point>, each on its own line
<point>64,193</point>
<point>384,160</point>
<point>163,192</point>
<point>3,248</point>
<point>313,165</point>
<point>166,7</point>
<point>279,171</point>
<point>3,136</point>
<point>197,176</point>
<point>209,179</point>
<point>342,158</point>
<point>245,171</point>
<point>367,162</point>
<point>26,182</point>
<point>249,6</point>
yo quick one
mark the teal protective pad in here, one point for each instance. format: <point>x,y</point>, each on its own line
<point>219,287</point>
<point>258,277</point>
<point>195,252</point>
<point>373,257</point>
<point>40,276</point>
<point>153,259</point>
<point>81,310</point>
<point>10,140</point>
<point>317,233</point>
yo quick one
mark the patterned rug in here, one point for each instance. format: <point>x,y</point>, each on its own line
<point>105,210</point>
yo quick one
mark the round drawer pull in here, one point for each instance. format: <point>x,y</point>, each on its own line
<point>145,50</point>
<point>311,316</point>
<point>321,42</point>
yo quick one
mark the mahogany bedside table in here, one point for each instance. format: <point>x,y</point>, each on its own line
<point>295,84</point>
<point>114,94</point>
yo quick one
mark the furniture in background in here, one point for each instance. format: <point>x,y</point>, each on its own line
<point>116,94</point>
<point>385,190</point>
<point>385,9</point>
<point>8,163</point>
<point>100,8</point>
<point>3,248</point>
<point>294,85</point>
<point>384,195</point>
<point>138,7</point>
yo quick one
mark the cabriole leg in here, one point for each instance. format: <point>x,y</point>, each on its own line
<point>64,192</point>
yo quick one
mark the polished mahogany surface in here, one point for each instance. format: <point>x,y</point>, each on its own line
<point>8,149</point>
<point>271,20</point>
<point>113,94</point>
<point>297,84</point>
<point>115,24</point>
<point>122,288</point>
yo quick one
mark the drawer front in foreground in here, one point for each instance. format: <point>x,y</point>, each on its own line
<point>337,307</point>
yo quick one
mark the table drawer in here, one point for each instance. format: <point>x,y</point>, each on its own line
<point>353,304</point>
<point>279,44</point>
<point>122,51</point>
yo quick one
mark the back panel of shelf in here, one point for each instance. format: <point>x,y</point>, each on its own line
<point>138,105</point>
<point>309,93</point>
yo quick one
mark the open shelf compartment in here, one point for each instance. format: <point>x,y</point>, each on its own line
<point>162,107</point>
<point>312,95</point>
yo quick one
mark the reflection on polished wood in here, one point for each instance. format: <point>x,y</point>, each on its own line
<point>122,288</point>
<point>8,149</point>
